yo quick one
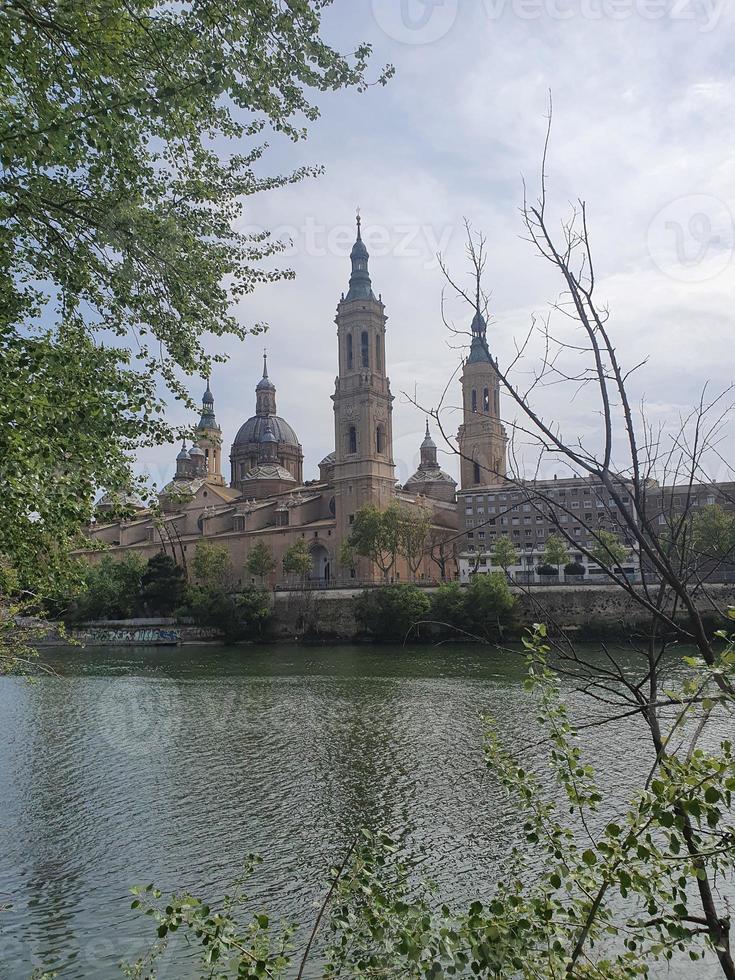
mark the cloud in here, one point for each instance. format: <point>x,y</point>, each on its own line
<point>643,131</point>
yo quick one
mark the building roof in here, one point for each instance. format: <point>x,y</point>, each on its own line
<point>255,428</point>
<point>269,471</point>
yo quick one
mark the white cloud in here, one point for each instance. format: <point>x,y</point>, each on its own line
<point>643,128</point>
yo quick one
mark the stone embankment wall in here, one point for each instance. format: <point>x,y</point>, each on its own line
<point>587,609</point>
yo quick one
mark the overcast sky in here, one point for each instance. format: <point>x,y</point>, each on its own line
<point>643,126</point>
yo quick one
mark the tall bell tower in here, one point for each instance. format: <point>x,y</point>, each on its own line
<point>208,437</point>
<point>482,438</point>
<point>364,471</point>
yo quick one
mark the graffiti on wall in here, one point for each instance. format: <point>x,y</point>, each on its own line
<point>144,635</point>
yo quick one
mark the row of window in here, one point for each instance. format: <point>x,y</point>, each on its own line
<point>364,351</point>
<point>379,439</point>
<point>485,400</point>
<point>490,500</point>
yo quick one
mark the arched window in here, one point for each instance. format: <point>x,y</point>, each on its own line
<point>352,440</point>
<point>485,401</point>
<point>474,400</point>
<point>377,353</point>
<point>349,351</point>
<point>365,349</point>
<point>380,439</point>
<point>476,472</point>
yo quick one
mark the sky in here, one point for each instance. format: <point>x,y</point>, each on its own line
<point>642,132</point>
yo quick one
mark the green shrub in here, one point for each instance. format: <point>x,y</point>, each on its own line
<point>449,606</point>
<point>484,608</point>
<point>389,612</point>
<point>574,568</point>
<point>548,570</point>
<point>236,617</point>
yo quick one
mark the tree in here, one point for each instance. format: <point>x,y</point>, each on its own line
<point>490,605</point>
<point>254,607</point>
<point>504,554</point>
<point>163,585</point>
<point>131,133</point>
<point>556,552</point>
<point>111,588</point>
<point>413,531</point>
<point>609,550</point>
<point>260,561</point>
<point>212,567</point>
<point>297,560</point>
<point>713,534</point>
<point>388,613</point>
<point>377,535</point>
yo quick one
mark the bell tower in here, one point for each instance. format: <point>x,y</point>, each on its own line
<point>482,438</point>
<point>364,471</point>
<point>208,437</point>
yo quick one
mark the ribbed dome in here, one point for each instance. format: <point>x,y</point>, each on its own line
<point>255,428</point>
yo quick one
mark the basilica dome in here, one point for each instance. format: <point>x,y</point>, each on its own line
<point>265,427</point>
<point>254,429</point>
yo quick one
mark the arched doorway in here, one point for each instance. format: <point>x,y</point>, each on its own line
<point>320,564</point>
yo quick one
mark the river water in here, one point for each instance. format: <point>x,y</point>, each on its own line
<point>170,765</point>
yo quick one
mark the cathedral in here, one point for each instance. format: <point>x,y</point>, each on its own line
<point>266,498</point>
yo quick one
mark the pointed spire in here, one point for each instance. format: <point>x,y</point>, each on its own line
<point>479,350</point>
<point>360,285</point>
<point>207,419</point>
<point>428,449</point>
<point>265,362</point>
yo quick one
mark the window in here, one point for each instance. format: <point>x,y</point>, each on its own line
<point>526,506</point>
<point>349,351</point>
<point>474,400</point>
<point>476,469</point>
<point>352,440</point>
<point>485,401</point>
<point>481,534</point>
<point>365,349</point>
<point>377,353</point>
<point>380,439</point>
<point>470,534</point>
<point>575,503</point>
<point>351,518</point>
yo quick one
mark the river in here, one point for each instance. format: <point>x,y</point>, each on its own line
<point>169,765</point>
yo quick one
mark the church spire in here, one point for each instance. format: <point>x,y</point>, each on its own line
<point>207,420</point>
<point>360,285</point>
<point>479,350</point>
<point>265,392</point>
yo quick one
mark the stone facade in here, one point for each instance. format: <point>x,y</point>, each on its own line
<point>267,499</point>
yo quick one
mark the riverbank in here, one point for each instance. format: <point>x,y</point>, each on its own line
<point>326,616</point>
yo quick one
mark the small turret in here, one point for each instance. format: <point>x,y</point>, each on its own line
<point>183,463</point>
<point>265,392</point>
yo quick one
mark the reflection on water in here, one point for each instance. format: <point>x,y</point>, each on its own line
<point>170,765</point>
